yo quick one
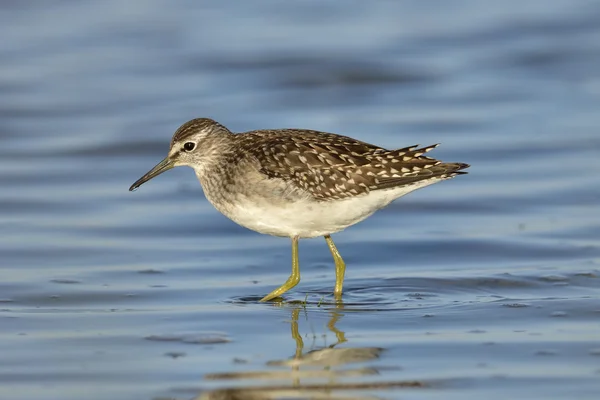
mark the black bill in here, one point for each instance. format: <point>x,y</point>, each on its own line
<point>161,167</point>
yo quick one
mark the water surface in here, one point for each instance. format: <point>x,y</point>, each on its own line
<point>484,286</point>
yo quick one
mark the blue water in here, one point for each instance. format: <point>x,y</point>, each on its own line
<point>487,285</point>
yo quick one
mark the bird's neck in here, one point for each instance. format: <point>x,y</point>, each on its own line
<point>216,154</point>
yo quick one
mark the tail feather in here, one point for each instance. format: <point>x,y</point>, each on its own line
<point>414,167</point>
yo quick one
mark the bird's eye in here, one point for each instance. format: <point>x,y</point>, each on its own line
<point>189,146</point>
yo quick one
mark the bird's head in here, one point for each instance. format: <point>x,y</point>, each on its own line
<point>194,144</point>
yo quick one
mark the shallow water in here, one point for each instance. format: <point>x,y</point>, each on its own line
<point>484,286</point>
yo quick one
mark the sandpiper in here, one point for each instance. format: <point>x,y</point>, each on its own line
<point>298,183</point>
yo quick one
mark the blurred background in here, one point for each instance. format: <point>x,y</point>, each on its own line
<point>486,285</point>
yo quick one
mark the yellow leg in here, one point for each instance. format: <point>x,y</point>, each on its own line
<point>340,267</point>
<point>294,277</point>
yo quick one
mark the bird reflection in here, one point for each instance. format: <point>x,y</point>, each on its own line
<point>312,374</point>
<point>328,356</point>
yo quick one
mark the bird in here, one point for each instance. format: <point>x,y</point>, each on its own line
<point>298,183</point>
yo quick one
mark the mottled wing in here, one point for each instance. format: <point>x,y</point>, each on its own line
<point>320,163</point>
<point>333,167</point>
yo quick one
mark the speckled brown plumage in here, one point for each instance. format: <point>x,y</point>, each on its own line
<point>333,167</point>
<point>326,165</point>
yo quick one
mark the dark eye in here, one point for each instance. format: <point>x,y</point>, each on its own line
<point>189,146</point>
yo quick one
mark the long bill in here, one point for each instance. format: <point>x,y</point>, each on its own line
<point>161,167</point>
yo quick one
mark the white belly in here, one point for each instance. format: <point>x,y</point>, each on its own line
<point>307,218</point>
